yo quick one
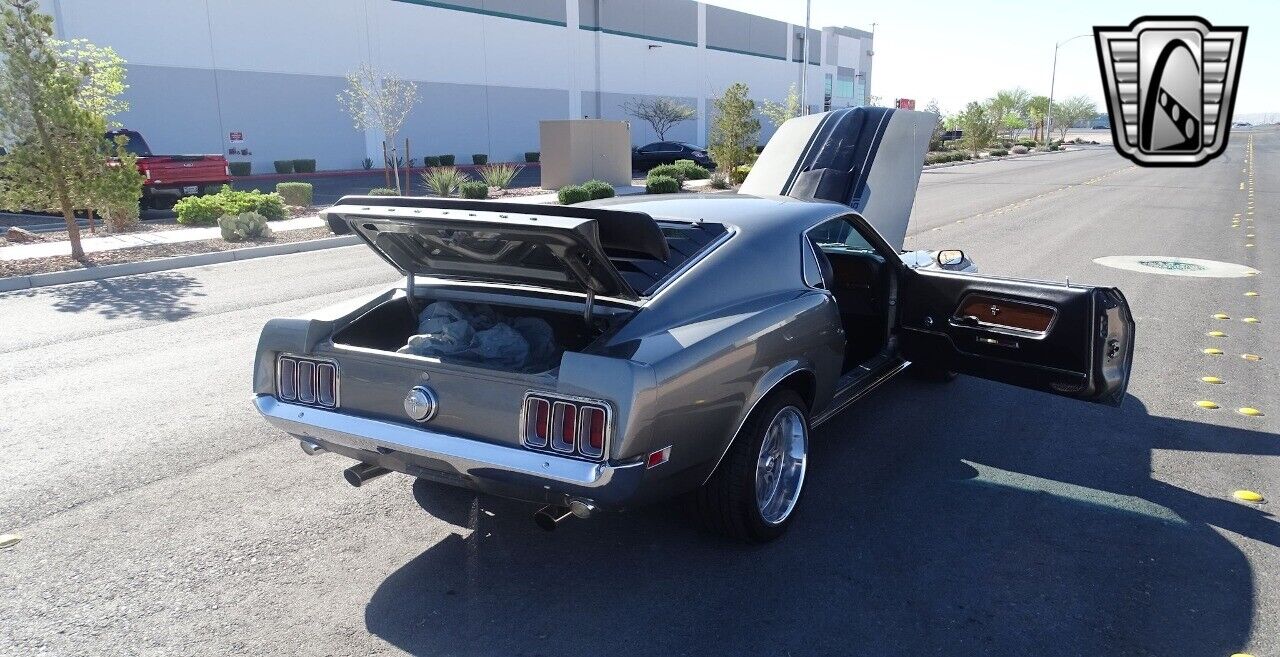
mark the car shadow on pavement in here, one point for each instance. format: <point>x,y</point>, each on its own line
<point>161,296</point>
<point>966,519</point>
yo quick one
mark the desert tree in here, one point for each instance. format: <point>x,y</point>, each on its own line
<point>379,101</point>
<point>52,118</point>
<point>976,123</point>
<point>661,113</point>
<point>1008,102</point>
<point>778,113</point>
<point>935,139</point>
<point>1037,109</point>
<point>735,130</point>
<point>1071,111</point>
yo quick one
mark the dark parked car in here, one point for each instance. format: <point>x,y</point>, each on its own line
<point>667,152</point>
<point>621,351</point>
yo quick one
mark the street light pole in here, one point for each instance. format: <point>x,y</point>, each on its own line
<point>804,63</point>
<point>1048,118</point>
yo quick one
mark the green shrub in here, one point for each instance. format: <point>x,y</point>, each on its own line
<point>444,180</point>
<point>295,193</point>
<point>998,152</point>
<point>383,191</point>
<point>669,170</point>
<point>739,173</point>
<point>598,189</point>
<point>691,170</point>
<point>1019,150</point>
<point>570,194</point>
<point>1053,147</point>
<point>480,159</point>
<point>240,168</point>
<point>499,175</point>
<point>367,163</point>
<point>719,181</point>
<point>199,210</point>
<point>246,225</point>
<point>304,166</point>
<point>659,184</point>
<point>474,189</point>
<point>446,160</point>
<point>206,210</point>
<point>532,156</point>
<point>283,166</point>
<point>1029,143</point>
<point>431,161</point>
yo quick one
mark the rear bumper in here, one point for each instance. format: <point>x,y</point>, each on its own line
<point>495,469</point>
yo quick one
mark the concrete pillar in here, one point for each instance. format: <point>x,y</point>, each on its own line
<point>702,70</point>
<point>576,61</point>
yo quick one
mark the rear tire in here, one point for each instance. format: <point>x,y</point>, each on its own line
<point>753,494</point>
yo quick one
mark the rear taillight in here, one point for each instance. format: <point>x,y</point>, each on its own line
<point>577,427</point>
<point>307,381</point>
<point>228,170</point>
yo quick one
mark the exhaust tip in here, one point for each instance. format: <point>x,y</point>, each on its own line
<point>311,448</point>
<point>548,517</point>
<point>361,472</point>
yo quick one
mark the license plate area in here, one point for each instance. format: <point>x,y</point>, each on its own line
<point>190,190</point>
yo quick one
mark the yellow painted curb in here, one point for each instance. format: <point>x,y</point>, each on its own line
<point>1251,412</point>
<point>1205,403</point>
<point>1247,496</point>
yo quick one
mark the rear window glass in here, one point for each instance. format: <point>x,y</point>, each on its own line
<point>685,241</point>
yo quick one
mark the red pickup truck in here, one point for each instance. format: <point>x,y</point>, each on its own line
<point>171,177</point>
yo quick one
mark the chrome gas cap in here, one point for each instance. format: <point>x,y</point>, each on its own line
<point>421,403</point>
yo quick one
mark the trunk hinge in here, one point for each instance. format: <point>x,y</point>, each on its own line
<point>590,307</point>
<point>410,287</point>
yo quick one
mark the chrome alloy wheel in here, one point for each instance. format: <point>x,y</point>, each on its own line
<point>780,465</point>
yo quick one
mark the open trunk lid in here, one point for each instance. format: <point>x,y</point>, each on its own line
<point>549,247</point>
<point>868,158</point>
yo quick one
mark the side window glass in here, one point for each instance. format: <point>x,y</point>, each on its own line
<point>839,235</point>
<point>812,267</point>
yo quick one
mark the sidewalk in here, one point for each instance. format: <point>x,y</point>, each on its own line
<point>130,240</point>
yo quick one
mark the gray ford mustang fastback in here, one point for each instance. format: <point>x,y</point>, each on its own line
<point>613,353</point>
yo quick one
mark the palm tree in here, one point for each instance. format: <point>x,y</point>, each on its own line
<point>1037,110</point>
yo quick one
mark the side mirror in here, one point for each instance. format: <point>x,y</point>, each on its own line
<point>950,257</point>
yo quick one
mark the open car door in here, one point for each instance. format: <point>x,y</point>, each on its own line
<point>1070,340</point>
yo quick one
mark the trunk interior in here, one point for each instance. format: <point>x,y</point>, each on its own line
<point>390,326</point>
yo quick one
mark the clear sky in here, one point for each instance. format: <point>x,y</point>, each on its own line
<point>941,49</point>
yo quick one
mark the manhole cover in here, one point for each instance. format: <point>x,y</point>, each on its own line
<point>1174,266</point>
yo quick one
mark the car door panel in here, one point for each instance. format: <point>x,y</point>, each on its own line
<point>1070,340</point>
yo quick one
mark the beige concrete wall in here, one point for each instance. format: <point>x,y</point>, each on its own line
<point>576,151</point>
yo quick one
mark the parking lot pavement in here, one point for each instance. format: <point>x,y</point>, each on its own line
<point>160,516</point>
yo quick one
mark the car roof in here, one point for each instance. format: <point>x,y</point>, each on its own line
<point>742,211</point>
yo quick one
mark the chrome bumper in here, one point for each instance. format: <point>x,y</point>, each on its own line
<point>503,470</point>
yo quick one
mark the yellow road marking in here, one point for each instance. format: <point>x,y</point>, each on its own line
<point>1205,403</point>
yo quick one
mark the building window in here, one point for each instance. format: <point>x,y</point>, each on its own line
<point>826,92</point>
<point>844,84</point>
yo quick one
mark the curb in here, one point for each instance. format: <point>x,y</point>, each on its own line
<point>337,173</point>
<point>944,165</point>
<point>13,283</point>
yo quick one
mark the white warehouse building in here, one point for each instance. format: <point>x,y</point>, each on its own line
<point>230,76</point>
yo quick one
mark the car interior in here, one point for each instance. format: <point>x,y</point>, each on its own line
<point>859,278</point>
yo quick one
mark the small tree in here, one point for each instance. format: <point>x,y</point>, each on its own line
<point>778,113</point>
<point>935,139</point>
<point>52,132</point>
<point>1037,109</point>
<point>378,101</point>
<point>977,125</point>
<point>735,130</point>
<point>1013,123</point>
<point>660,113</point>
<point>1071,111</point>
<point>114,193</point>
<point>1008,102</point>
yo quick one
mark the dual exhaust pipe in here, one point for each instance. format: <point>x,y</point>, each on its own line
<point>546,518</point>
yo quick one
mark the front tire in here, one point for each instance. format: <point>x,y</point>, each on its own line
<point>753,494</point>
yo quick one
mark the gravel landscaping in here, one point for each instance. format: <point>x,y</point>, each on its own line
<point>136,254</point>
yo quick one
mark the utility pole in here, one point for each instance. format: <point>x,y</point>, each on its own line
<point>1053,78</point>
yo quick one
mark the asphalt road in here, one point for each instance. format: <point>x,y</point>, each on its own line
<point>160,516</point>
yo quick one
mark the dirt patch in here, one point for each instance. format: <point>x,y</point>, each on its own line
<point>520,191</point>
<point>140,253</point>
